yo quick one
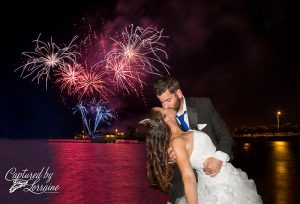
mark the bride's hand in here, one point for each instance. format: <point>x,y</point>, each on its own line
<point>172,156</point>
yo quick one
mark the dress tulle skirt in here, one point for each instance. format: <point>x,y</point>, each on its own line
<point>230,186</point>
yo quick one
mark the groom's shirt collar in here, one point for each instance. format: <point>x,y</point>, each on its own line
<point>183,109</point>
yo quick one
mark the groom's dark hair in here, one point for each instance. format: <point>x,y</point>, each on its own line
<point>164,84</point>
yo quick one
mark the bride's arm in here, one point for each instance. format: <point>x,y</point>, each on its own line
<point>186,170</point>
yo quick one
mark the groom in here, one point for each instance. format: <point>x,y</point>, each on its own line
<point>199,114</point>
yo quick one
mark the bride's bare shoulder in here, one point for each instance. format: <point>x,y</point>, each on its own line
<point>181,144</point>
<point>181,139</point>
<point>177,140</point>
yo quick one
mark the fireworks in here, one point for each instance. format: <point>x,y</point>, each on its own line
<point>69,77</point>
<point>136,54</point>
<point>103,115</point>
<point>83,81</point>
<point>46,57</point>
<point>99,67</point>
<point>140,49</point>
<point>93,81</point>
<point>124,77</point>
<point>82,109</point>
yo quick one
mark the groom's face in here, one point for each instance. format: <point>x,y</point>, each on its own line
<point>170,100</point>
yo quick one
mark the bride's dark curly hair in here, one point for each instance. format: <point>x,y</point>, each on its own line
<point>159,171</point>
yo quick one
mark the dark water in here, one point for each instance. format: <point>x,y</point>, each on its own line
<point>116,173</point>
<point>275,168</point>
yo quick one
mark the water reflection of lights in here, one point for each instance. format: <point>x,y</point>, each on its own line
<point>281,168</point>
<point>246,147</point>
<point>280,156</point>
<point>282,177</point>
<point>281,148</point>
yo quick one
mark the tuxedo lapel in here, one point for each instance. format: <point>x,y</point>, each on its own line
<point>193,117</point>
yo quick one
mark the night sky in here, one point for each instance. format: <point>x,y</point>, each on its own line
<point>241,54</point>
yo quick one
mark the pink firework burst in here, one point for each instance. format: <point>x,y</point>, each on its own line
<point>141,48</point>
<point>93,81</point>
<point>68,77</point>
<point>125,77</point>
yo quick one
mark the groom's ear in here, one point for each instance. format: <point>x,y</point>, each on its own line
<point>179,93</point>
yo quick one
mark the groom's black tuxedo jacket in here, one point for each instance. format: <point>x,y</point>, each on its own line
<point>201,111</point>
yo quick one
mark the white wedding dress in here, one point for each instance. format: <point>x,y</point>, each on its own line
<point>230,186</point>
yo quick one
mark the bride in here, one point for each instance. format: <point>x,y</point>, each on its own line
<point>192,148</point>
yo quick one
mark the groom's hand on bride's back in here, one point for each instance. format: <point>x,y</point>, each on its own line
<point>172,156</point>
<point>212,166</point>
